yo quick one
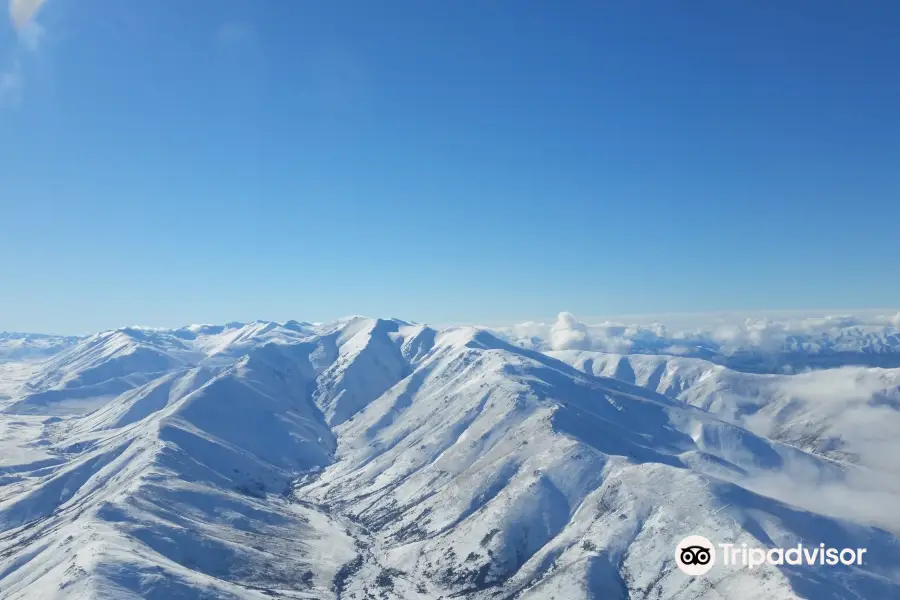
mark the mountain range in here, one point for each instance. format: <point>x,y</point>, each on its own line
<point>378,458</point>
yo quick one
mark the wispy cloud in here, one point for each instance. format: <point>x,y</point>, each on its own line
<point>27,44</point>
<point>11,85</point>
<point>31,36</point>
<point>22,11</point>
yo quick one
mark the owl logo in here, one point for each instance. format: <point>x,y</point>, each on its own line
<point>695,555</point>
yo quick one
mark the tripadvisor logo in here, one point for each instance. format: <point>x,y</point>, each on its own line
<point>696,555</point>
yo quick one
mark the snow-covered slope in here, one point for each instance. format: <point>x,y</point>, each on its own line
<point>175,489</point>
<point>848,413</point>
<point>378,459</point>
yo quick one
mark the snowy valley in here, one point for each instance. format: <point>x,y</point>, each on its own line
<point>373,458</point>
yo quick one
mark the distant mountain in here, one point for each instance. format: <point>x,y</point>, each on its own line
<point>374,458</point>
<point>87,372</point>
<point>23,346</point>
<point>752,346</point>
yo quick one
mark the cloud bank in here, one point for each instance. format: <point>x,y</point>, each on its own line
<point>874,334</point>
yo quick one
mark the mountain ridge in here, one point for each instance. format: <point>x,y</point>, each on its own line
<point>380,458</point>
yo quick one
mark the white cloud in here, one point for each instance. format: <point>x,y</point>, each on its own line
<point>569,334</point>
<point>864,497</point>
<point>793,332</point>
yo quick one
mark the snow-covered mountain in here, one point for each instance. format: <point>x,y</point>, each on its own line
<point>23,346</point>
<point>848,414</point>
<point>816,407</point>
<point>87,372</point>
<point>375,458</point>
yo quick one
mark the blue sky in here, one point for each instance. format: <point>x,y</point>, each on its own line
<point>167,162</point>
